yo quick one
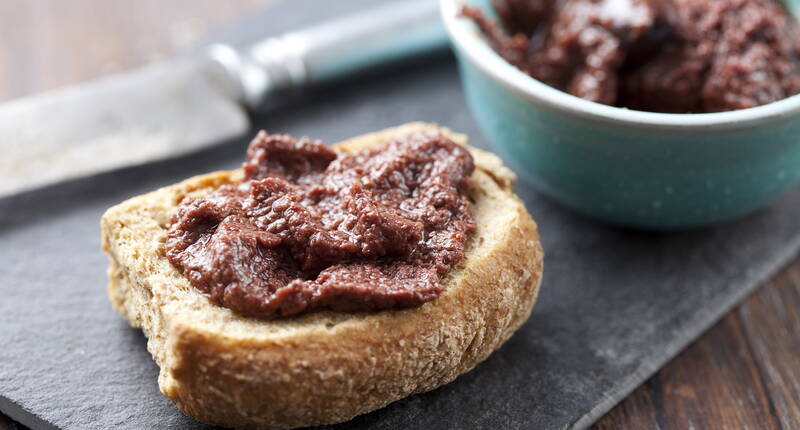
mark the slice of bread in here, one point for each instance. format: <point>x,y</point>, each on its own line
<point>322,367</point>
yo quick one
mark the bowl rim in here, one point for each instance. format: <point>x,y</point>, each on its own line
<point>468,41</point>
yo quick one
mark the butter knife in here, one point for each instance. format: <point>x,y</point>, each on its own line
<point>186,104</point>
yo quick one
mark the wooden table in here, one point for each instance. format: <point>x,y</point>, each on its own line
<point>743,373</point>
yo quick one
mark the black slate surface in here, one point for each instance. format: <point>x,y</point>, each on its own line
<point>614,307</point>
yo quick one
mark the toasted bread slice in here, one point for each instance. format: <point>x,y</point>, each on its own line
<point>322,367</point>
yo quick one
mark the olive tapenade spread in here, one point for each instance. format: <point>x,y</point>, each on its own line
<point>674,56</point>
<point>313,227</point>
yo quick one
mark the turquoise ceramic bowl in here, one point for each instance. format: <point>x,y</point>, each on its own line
<point>631,168</point>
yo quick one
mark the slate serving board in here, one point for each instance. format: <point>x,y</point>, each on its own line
<point>614,307</point>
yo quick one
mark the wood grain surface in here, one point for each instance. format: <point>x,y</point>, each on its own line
<point>744,373</point>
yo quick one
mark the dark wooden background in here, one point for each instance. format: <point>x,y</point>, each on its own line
<point>743,374</point>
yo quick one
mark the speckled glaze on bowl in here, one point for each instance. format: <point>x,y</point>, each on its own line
<point>631,168</point>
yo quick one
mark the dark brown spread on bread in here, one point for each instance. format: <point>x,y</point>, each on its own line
<point>674,56</point>
<point>313,227</point>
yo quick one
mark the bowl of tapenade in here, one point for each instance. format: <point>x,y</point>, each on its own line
<point>655,114</point>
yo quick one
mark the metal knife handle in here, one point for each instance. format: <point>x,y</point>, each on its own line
<point>331,50</point>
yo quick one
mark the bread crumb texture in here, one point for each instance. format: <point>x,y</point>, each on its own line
<point>323,367</point>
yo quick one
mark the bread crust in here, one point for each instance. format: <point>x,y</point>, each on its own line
<point>323,367</point>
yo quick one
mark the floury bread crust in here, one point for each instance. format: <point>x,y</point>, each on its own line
<point>322,367</point>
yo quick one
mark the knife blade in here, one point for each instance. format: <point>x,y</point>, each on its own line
<point>184,105</point>
<point>159,111</point>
